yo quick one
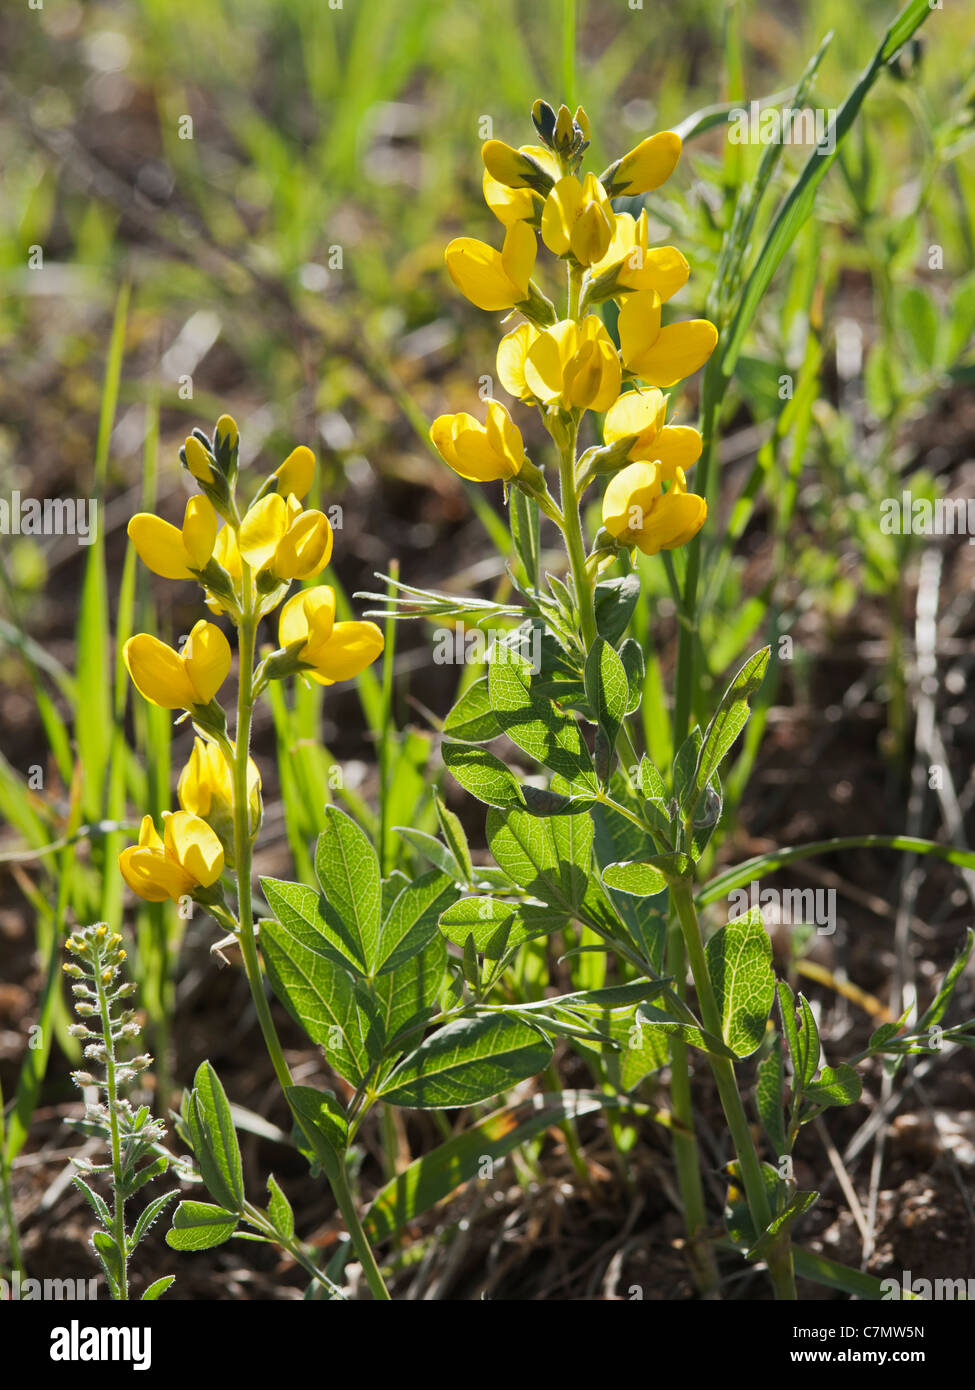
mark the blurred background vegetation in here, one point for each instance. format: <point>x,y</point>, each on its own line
<point>242,205</point>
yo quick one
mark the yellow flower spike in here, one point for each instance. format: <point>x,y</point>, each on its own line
<point>179,680</point>
<point>575,364</point>
<point>641,414</point>
<point>512,354</point>
<point>206,789</point>
<point>188,857</point>
<point>297,473</point>
<point>490,279</point>
<point>334,651</point>
<point>198,460</point>
<point>631,264</point>
<point>482,453</point>
<point>171,552</point>
<point>644,168</point>
<point>578,217</point>
<point>639,513</point>
<point>662,356</point>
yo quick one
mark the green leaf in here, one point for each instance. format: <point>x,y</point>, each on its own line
<point>835,1086</point>
<point>550,859</point>
<point>348,871</point>
<point>799,1204</point>
<point>729,720</point>
<point>810,1047</point>
<point>221,1136</point>
<point>934,1013</point>
<point>324,1124</point>
<point>607,688</point>
<point>472,720</point>
<point>279,1210</point>
<point>110,1258</point>
<point>453,833</point>
<point>158,1288</point>
<point>199,1141</point>
<point>631,655</point>
<point>199,1226</point>
<point>917,318</point>
<point>405,997</point>
<point>319,994</point>
<point>739,961</point>
<point>431,848</point>
<point>524,532</point>
<point>468,1060</point>
<point>483,919</point>
<point>482,774</point>
<point>148,1217</point>
<point>658,1024</point>
<point>614,601</point>
<point>462,1158</point>
<point>536,725</point>
<point>770,1097</point>
<point>96,1202</point>
<point>787,1013</point>
<point>642,880</point>
<point>411,923</point>
<point>304,913</point>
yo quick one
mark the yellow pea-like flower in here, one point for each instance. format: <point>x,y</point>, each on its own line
<point>512,355</point>
<point>179,680</point>
<point>638,512</point>
<point>188,856</point>
<point>662,356</point>
<point>575,364</point>
<point>482,453</point>
<point>206,789</point>
<point>279,537</point>
<point>578,218</point>
<point>176,553</point>
<point>644,168</point>
<point>198,461</point>
<point>642,415</point>
<point>491,279</point>
<point>334,651</point>
<point>635,265</point>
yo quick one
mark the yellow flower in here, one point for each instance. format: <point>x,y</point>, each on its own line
<point>662,356</point>
<point>198,461</point>
<point>512,355</point>
<point>642,415</point>
<point>189,856</point>
<point>179,680</point>
<point>174,553</point>
<point>279,537</point>
<point>637,511</point>
<point>517,203</point>
<point>531,166</point>
<point>206,789</point>
<point>334,651</point>
<point>575,364</point>
<point>578,218</point>
<point>491,279</point>
<point>634,265</point>
<point>482,453</point>
<point>645,168</point>
<point>297,473</point>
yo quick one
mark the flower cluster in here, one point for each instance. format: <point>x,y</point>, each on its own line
<point>570,364</point>
<point>245,562</point>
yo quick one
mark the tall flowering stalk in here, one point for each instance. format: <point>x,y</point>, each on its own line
<point>246,567</point>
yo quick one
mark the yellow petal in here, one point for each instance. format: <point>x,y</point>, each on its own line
<point>508,204</point>
<point>148,834</point>
<point>198,460</point>
<point>477,271</point>
<point>562,207</point>
<point>350,649</point>
<point>518,256</point>
<point>158,673</point>
<point>159,546</point>
<point>675,447</point>
<point>649,165</point>
<point>639,413</point>
<point>674,520</point>
<point>297,473</point>
<point>306,549</point>
<point>546,359</point>
<point>194,846</point>
<point>639,326</point>
<point>199,530</point>
<point>206,657</point>
<point>225,552</point>
<point>308,610</point>
<point>635,488</point>
<point>152,876</point>
<point>512,352</point>
<point>678,351</point>
<point>262,528</point>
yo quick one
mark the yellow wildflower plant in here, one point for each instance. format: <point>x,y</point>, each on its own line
<point>187,858</point>
<point>482,453</point>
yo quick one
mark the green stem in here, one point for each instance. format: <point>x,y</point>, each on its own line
<point>780,1260</point>
<point>247,633</point>
<point>686,1157</point>
<point>685,683</point>
<point>574,540</point>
